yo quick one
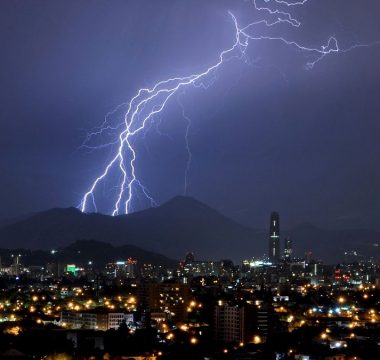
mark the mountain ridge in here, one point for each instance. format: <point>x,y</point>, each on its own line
<point>180,225</point>
<point>173,228</point>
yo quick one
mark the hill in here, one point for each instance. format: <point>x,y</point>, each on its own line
<point>84,251</point>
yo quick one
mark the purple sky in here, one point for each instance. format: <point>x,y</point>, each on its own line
<point>265,136</point>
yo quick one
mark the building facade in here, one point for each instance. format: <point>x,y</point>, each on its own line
<point>170,298</point>
<point>93,320</point>
<point>241,322</point>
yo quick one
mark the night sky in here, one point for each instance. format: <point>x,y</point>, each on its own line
<point>266,135</point>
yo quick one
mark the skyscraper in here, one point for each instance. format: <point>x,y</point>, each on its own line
<point>288,250</point>
<point>274,238</point>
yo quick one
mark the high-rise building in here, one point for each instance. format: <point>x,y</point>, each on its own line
<point>16,267</point>
<point>171,299</point>
<point>242,322</point>
<point>231,322</point>
<point>274,238</point>
<point>288,249</point>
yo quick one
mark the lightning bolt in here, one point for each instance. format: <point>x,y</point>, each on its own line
<point>187,145</point>
<point>140,111</point>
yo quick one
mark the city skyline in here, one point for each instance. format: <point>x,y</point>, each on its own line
<point>189,180</point>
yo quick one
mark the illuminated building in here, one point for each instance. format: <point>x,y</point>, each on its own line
<point>122,269</point>
<point>131,268</point>
<point>202,268</point>
<point>77,320</point>
<point>274,238</point>
<point>264,320</point>
<point>288,249</point>
<point>112,320</point>
<point>241,323</point>
<point>229,322</point>
<point>148,271</point>
<point>94,320</point>
<point>16,267</point>
<point>71,269</point>
<point>169,298</point>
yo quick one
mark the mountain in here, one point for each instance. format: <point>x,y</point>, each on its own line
<point>182,224</point>
<point>9,221</point>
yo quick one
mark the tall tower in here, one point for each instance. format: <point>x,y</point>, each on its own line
<point>288,250</point>
<point>274,238</point>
